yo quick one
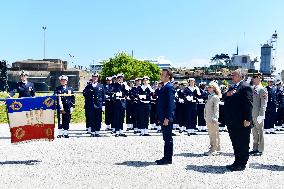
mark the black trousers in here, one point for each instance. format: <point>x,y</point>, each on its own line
<point>135,114</point>
<point>58,119</point>
<point>280,116</point>
<point>240,138</point>
<point>144,114</point>
<point>108,112</point>
<point>118,116</point>
<point>95,119</point>
<point>167,137</point>
<point>200,114</point>
<point>191,115</point>
<point>153,114</point>
<point>88,116</point>
<point>176,113</point>
<point>221,116</point>
<point>65,121</point>
<point>129,112</point>
<point>270,116</point>
<point>182,114</point>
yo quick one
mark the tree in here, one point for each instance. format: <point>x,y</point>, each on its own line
<point>130,67</point>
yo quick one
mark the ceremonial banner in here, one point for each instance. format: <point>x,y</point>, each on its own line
<point>31,118</point>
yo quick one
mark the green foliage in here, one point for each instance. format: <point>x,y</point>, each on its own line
<point>264,83</point>
<point>225,82</point>
<point>130,67</point>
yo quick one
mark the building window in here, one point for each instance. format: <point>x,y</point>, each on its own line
<point>244,60</point>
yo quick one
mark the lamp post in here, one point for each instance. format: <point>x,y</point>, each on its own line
<point>44,28</point>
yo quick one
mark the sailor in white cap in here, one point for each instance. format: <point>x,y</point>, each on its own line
<point>134,97</point>
<point>192,93</point>
<point>270,112</point>
<point>120,93</point>
<point>280,106</point>
<point>130,107</point>
<point>109,103</point>
<point>24,87</point>
<point>94,94</point>
<point>144,94</point>
<point>65,106</point>
<point>201,106</point>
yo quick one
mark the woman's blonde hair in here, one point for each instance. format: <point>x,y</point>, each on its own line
<point>216,88</point>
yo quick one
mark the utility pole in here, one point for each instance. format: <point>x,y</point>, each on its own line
<point>44,28</point>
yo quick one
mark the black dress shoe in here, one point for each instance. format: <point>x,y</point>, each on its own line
<point>188,134</point>
<point>135,132</point>
<point>173,134</point>
<point>237,168</point>
<point>116,135</point>
<point>230,166</point>
<point>146,135</point>
<point>66,136</point>
<point>123,135</point>
<point>180,131</point>
<point>59,136</point>
<point>258,154</point>
<point>253,152</point>
<point>193,133</point>
<point>92,135</point>
<point>164,162</point>
<point>272,133</point>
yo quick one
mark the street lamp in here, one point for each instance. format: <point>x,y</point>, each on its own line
<point>44,28</point>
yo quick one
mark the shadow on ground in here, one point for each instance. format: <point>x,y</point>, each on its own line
<point>26,162</point>
<point>207,169</point>
<point>137,163</point>
<point>268,167</point>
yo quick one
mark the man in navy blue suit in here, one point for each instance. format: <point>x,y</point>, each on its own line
<point>165,112</point>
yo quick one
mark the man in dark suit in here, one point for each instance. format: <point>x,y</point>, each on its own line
<point>238,118</point>
<point>94,94</point>
<point>25,88</point>
<point>165,112</point>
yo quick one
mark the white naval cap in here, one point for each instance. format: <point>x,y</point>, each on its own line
<point>146,77</point>
<point>23,72</point>
<point>191,79</point>
<point>120,75</point>
<point>63,77</point>
<point>108,78</point>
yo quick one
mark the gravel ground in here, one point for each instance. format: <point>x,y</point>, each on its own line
<point>109,162</point>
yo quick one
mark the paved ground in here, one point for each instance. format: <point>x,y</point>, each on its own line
<point>109,162</point>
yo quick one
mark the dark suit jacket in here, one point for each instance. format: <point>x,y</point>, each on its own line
<point>238,107</point>
<point>25,90</point>
<point>165,103</point>
<point>94,96</point>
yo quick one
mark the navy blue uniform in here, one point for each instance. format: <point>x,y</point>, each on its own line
<point>270,113</point>
<point>119,94</point>
<point>25,89</point>
<point>153,111</point>
<point>200,108</point>
<point>94,100</point>
<point>144,97</point>
<point>165,110</point>
<point>280,107</point>
<point>67,101</point>
<point>108,104</point>
<point>130,108</point>
<point>191,108</point>
<point>181,106</point>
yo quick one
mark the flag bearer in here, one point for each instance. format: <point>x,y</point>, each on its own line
<point>65,106</point>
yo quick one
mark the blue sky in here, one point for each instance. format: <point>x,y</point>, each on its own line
<point>184,32</point>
